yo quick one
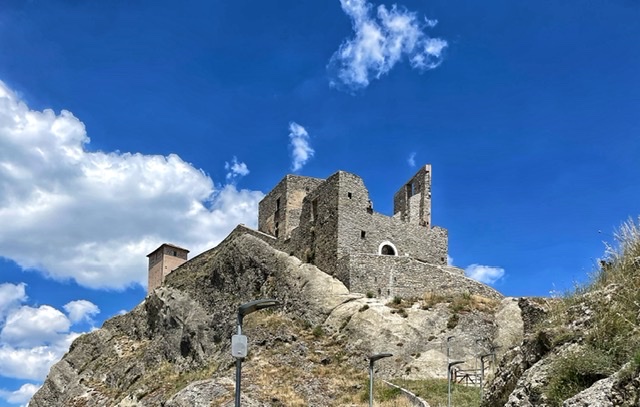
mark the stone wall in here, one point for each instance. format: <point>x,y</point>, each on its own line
<point>412,202</point>
<point>316,238</point>
<point>279,211</point>
<point>389,276</point>
<point>331,224</point>
<point>362,230</point>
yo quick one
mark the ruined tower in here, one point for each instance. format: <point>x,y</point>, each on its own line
<point>279,211</point>
<point>412,203</point>
<point>163,261</point>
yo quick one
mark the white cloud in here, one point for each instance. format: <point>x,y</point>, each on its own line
<point>301,150</point>
<point>235,169</point>
<point>73,213</point>
<point>20,396</point>
<point>33,363</point>
<point>28,326</point>
<point>449,260</point>
<point>32,339</point>
<point>80,310</point>
<point>412,159</point>
<point>484,274</point>
<point>11,295</point>
<point>380,42</point>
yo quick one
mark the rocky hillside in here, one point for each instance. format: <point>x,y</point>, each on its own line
<point>174,348</point>
<point>587,350</point>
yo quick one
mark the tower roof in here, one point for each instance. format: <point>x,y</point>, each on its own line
<point>168,245</point>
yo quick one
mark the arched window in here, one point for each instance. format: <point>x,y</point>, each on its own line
<point>387,248</point>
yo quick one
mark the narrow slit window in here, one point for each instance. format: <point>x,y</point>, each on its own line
<point>363,234</point>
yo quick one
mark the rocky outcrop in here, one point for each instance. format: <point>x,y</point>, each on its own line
<point>173,348</point>
<point>559,355</point>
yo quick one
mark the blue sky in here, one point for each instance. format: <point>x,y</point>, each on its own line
<point>126,124</point>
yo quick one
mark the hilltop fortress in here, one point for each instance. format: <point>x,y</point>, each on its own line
<point>331,224</point>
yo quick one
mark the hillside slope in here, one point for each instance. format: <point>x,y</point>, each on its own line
<point>587,352</point>
<point>173,348</point>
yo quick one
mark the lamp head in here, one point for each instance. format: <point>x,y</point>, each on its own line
<point>373,358</point>
<point>249,307</point>
<point>455,362</point>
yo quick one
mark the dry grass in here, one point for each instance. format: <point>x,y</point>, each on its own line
<point>464,302</point>
<point>301,369</point>
<point>612,336</point>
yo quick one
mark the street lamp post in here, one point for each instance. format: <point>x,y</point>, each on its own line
<point>449,366</point>
<point>372,360</point>
<point>482,357</point>
<point>239,347</point>
<point>449,339</point>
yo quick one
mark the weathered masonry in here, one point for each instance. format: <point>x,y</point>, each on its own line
<point>331,223</point>
<point>163,261</point>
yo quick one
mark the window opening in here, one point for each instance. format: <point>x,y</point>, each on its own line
<point>349,195</point>
<point>278,204</point>
<point>387,250</point>
<point>363,234</point>
<point>410,190</point>
<point>277,229</point>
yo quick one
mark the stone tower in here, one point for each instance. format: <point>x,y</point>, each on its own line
<point>412,203</point>
<point>163,261</point>
<point>279,212</point>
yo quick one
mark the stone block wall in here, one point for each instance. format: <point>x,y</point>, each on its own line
<point>389,276</point>
<point>331,223</point>
<point>412,202</point>
<point>362,230</point>
<point>279,211</point>
<point>315,239</point>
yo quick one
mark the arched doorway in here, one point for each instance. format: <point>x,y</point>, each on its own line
<point>387,248</point>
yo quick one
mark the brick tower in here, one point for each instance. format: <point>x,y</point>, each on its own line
<point>163,261</point>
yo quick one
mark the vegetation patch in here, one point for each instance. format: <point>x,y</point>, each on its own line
<point>578,371</point>
<point>434,391</point>
<point>603,316</point>
<point>464,302</point>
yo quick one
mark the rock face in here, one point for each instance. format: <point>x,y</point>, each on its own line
<point>173,348</point>
<point>560,355</point>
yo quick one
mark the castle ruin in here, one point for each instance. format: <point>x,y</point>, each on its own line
<point>331,223</point>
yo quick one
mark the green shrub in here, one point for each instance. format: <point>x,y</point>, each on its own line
<point>612,297</point>
<point>453,321</point>
<point>318,331</point>
<point>578,371</point>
